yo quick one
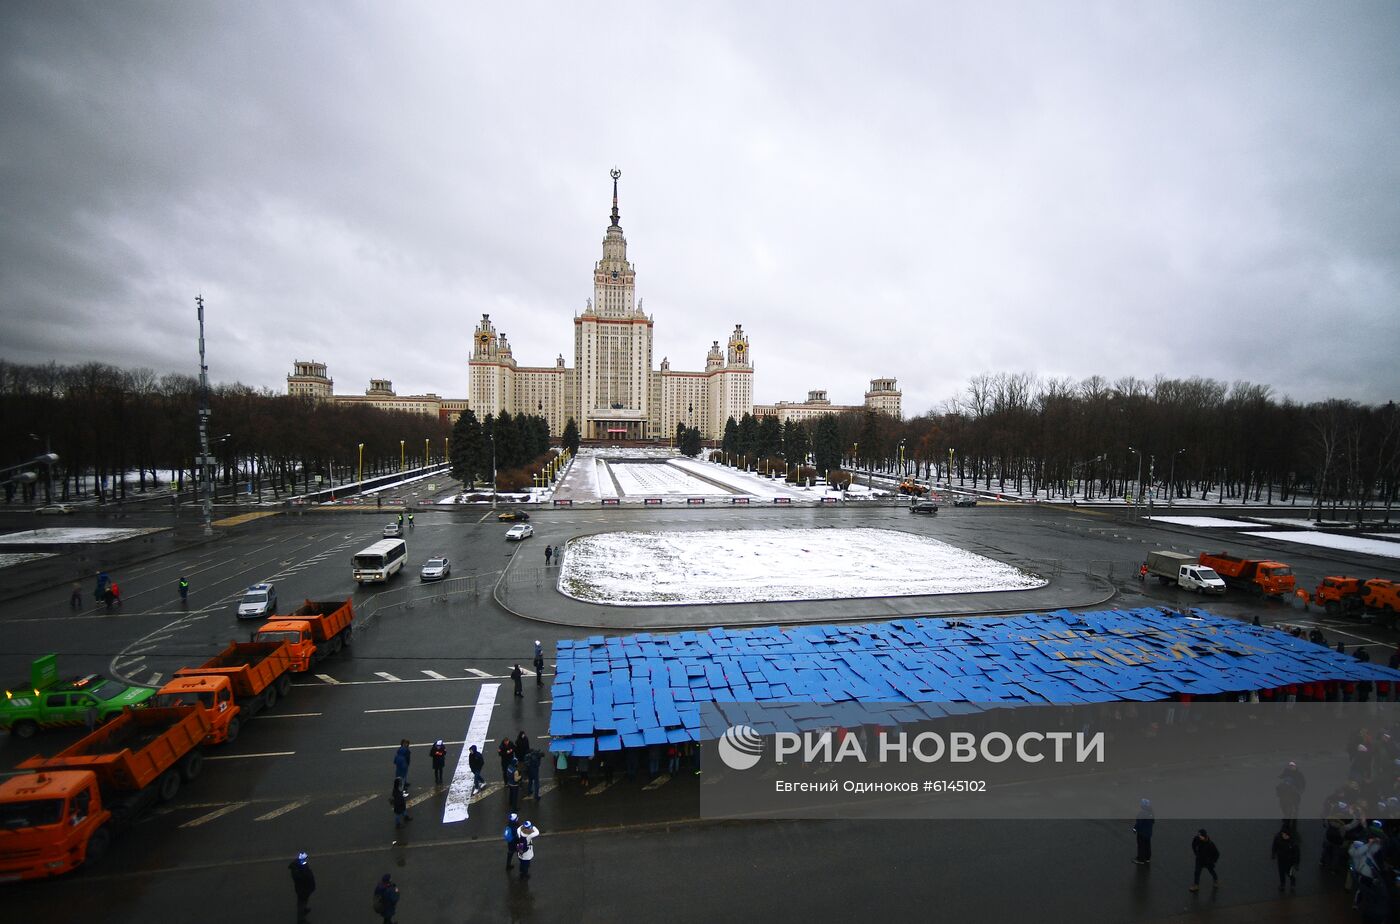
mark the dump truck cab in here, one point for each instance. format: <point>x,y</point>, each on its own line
<point>1340,594</point>
<point>50,823</point>
<point>213,695</point>
<point>1275,578</point>
<point>1382,597</point>
<point>297,635</point>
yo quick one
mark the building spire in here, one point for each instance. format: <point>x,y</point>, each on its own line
<point>615,173</point>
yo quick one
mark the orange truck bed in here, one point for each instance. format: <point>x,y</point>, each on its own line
<point>134,749</point>
<point>1267,577</point>
<point>250,667</point>
<point>328,618</point>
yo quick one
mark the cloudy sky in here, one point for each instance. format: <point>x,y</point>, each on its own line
<point>924,190</point>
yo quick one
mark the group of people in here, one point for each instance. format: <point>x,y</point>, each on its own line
<point>109,592</point>
<point>553,554</point>
<point>520,764</point>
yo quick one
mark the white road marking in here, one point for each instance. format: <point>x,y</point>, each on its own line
<point>421,797</point>
<point>419,708</point>
<point>289,807</point>
<point>155,679</point>
<point>598,788</point>
<point>435,675</point>
<point>244,756</point>
<point>326,678</point>
<point>490,789</point>
<point>353,803</point>
<point>459,793</point>
<point>289,715</point>
<point>480,674</point>
<point>661,780</point>
<point>387,676</point>
<point>382,747</point>
<point>546,788</point>
<point>210,816</point>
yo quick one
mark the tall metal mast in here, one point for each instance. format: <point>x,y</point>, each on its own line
<point>205,461</point>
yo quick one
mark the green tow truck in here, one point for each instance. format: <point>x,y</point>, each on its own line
<point>47,702</point>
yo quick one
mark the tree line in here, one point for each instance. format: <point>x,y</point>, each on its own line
<point>506,450</point>
<point>1092,439</point>
<point>122,431</point>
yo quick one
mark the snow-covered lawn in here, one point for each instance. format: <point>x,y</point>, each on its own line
<point>1344,543</point>
<point>746,482</point>
<point>1201,521</point>
<point>744,566</point>
<point>71,534</point>
<point>7,559</point>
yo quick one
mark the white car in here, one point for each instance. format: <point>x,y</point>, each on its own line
<point>258,601</point>
<point>393,531</point>
<point>54,509</point>
<point>519,531</point>
<point>435,570</point>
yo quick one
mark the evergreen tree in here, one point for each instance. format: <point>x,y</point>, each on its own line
<point>510,447</point>
<point>690,442</point>
<point>490,454</point>
<point>826,444</point>
<point>770,437</point>
<point>872,446</point>
<point>730,442</point>
<point>748,435</point>
<point>467,447</point>
<point>570,438</point>
<point>680,434</point>
<point>796,444</point>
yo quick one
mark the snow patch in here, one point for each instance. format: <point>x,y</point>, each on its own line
<point>1330,541</point>
<point>750,566</point>
<point>1201,521</point>
<point>9,559</point>
<point>72,534</point>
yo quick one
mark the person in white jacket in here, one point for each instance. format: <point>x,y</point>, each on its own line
<point>526,845</point>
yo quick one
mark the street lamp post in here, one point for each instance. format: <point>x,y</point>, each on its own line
<point>493,468</point>
<point>1138,497</point>
<point>1171,479</point>
<point>360,476</point>
<point>402,457</point>
<point>901,458</point>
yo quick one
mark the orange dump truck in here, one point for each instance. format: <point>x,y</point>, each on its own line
<point>1340,595</point>
<point>1269,578</point>
<point>315,630</point>
<point>233,686</point>
<point>67,809</point>
<point>1382,598</point>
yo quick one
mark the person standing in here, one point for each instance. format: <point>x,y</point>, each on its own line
<point>522,745</point>
<point>515,676</point>
<point>513,784</point>
<point>1290,788</point>
<point>476,762</point>
<point>386,898</point>
<point>75,599</point>
<point>1287,855</point>
<point>439,756</point>
<point>304,881</point>
<point>184,588</point>
<point>539,665</point>
<point>399,798</point>
<point>506,751</point>
<point>1207,855</point>
<point>548,555</point>
<point>99,593</point>
<point>532,774</point>
<point>402,757</point>
<point>525,846</point>
<point>510,833</point>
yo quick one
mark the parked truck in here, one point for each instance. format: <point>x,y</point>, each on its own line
<point>1269,578</point>
<point>1382,598</point>
<point>67,809</point>
<point>1184,571</point>
<point>313,631</point>
<point>48,701</point>
<point>233,686</point>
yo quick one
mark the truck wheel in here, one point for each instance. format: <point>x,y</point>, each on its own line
<point>97,844</point>
<point>192,766</point>
<point>284,685</point>
<point>25,729</point>
<point>168,785</point>
<point>231,733</point>
<point>270,697</point>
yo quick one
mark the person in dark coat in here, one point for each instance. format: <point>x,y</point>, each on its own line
<point>1374,902</point>
<point>386,898</point>
<point>1289,789</point>
<point>439,758</point>
<point>513,784</point>
<point>402,757</point>
<point>1142,827</point>
<point>522,745</point>
<point>539,665</point>
<point>399,797</point>
<point>506,751</point>
<point>1207,855</point>
<point>1287,854</point>
<point>510,834</point>
<point>304,881</point>
<point>476,761</point>
<point>515,676</point>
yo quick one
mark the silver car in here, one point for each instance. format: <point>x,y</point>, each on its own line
<point>435,570</point>
<point>258,601</point>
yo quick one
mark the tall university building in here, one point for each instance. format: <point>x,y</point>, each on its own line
<point>611,390</point>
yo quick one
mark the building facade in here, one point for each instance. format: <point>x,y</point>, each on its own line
<point>883,397</point>
<point>612,390</point>
<point>309,379</point>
